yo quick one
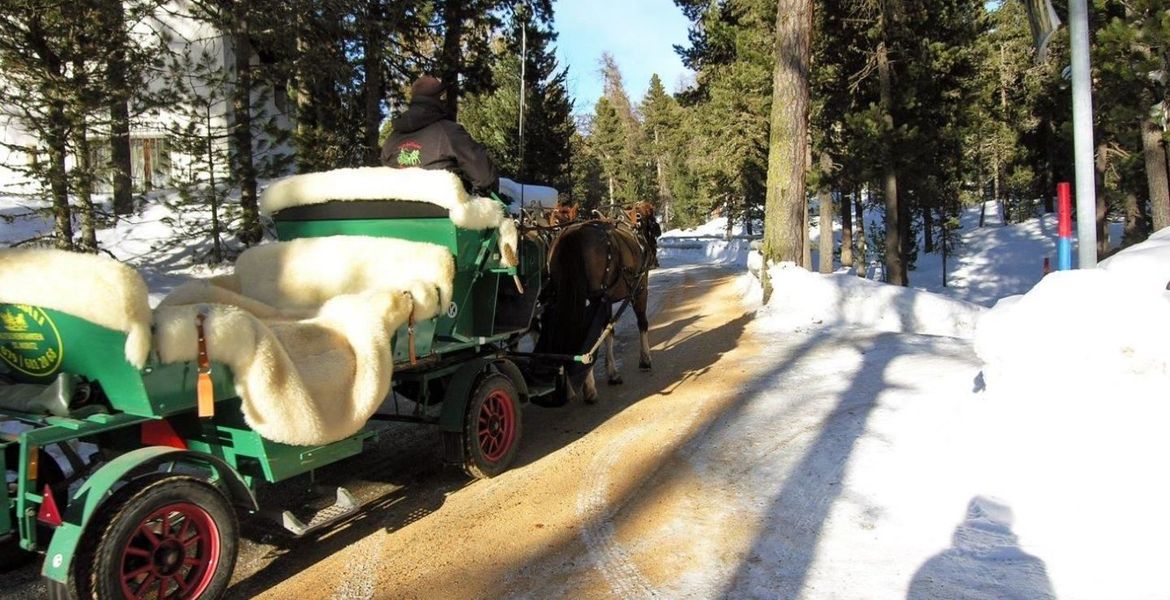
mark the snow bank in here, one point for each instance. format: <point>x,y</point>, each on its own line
<point>721,252</point>
<point>716,227</point>
<point>1087,325</point>
<point>800,298</point>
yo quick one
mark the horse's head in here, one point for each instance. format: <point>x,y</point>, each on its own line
<point>562,215</point>
<point>641,216</point>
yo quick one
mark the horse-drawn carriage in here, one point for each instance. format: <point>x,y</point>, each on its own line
<point>388,289</point>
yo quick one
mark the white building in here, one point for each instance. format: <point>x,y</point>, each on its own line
<point>156,162</point>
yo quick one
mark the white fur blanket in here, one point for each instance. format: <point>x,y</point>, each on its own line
<point>441,188</point>
<point>91,287</point>
<point>306,328</point>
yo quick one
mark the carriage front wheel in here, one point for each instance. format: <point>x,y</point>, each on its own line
<point>175,538</point>
<point>491,427</point>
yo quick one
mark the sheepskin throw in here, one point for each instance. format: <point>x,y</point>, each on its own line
<point>306,328</point>
<point>441,188</point>
<point>97,289</point>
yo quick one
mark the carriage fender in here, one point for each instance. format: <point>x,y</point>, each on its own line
<point>98,487</point>
<point>462,382</point>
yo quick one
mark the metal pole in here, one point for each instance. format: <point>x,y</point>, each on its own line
<point>523,74</point>
<point>1083,135</point>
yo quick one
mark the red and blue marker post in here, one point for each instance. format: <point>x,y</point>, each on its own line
<point>1064,214</point>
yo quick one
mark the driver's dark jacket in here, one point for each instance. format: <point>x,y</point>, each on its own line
<point>424,136</point>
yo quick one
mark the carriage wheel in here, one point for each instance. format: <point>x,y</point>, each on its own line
<point>491,428</point>
<point>175,538</point>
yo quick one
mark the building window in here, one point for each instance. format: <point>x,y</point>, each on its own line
<point>150,163</point>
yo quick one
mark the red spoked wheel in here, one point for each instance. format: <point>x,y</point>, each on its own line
<point>496,428</point>
<point>492,427</point>
<point>176,538</point>
<point>173,554</point>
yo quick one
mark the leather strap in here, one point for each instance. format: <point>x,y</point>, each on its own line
<point>204,387</point>
<point>410,330</point>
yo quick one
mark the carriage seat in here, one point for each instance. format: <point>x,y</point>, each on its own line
<point>441,189</point>
<point>306,327</point>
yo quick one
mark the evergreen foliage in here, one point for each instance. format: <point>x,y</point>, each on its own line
<point>493,118</point>
<point>914,108</point>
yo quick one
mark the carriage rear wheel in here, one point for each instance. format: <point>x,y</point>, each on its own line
<point>491,427</point>
<point>176,537</point>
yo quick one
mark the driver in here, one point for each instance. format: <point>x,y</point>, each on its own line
<point>425,136</point>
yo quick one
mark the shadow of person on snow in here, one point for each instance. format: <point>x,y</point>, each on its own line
<point>984,561</point>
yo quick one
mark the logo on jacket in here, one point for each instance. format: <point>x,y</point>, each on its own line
<point>409,154</point>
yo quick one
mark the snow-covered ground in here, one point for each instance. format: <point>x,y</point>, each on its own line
<point>920,443</point>
<point>1016,452</point>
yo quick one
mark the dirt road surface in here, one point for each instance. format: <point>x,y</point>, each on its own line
<point>545,528</point>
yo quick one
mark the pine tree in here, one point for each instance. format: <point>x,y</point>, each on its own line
<point>662,123</point>
<point>732,52</point>
<point>201,133</point>
<point>493,117</point>
<point>38,47</point>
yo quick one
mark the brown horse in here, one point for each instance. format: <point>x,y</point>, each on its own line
<point>592,265</point>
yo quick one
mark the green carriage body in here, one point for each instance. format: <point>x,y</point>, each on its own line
<point>151,421</point>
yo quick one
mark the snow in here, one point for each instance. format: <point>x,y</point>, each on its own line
<point>531,195</point>
<point>1003,436</point>
<point>909,443</point>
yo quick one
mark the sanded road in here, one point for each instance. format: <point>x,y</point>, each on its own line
<point>547,524</point>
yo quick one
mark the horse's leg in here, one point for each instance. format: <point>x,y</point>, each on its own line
<point>643,324</point>
<point>590,390</point>
<point>615,378</point>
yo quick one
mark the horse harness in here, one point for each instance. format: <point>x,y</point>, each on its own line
<point>632,278</point>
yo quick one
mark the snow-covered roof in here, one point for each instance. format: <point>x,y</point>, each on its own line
<point>532,196</point>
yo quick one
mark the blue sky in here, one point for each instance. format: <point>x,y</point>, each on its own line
<point>640,34</point>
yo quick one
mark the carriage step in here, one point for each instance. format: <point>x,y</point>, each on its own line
<point>345,506</point>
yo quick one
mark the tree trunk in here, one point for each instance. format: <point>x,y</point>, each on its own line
<point>727,223</point>
<point>451,62</point>
<point>58,184</point>
<point>861,260</point>
<point>1102,164</point>
<point>120,161</point>
<point>1154,150</point>
<point>374,46</point>
<point>846,231</point>
<point>806,254</point>
<point>1047,177</point>
<point>84,170</point>
<point>982,182</point>
<point>785,204</point>
<point>1135,221</point>
<point>826,232</point>
<point>216,228</point>
<point>244,167</point>
<point>895,265</point>
<point>302,95</point>
<point>927,230</point>
<point>665,196</point>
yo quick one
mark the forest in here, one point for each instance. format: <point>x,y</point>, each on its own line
<point>906,109</point>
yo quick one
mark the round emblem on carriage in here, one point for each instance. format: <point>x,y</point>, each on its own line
<point>452,310</point>
<point>29,340</point>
